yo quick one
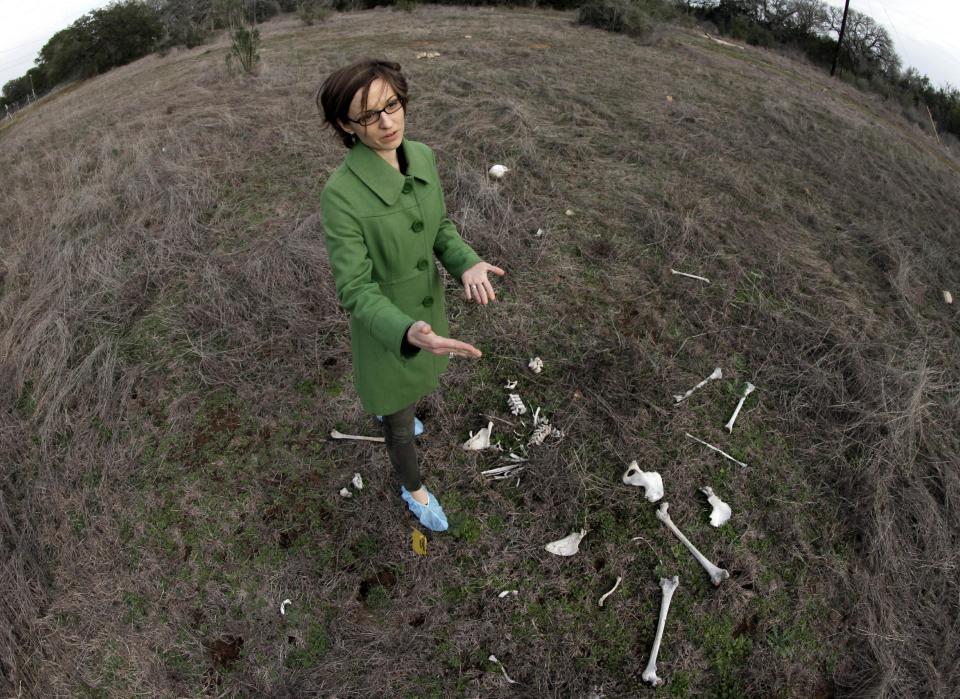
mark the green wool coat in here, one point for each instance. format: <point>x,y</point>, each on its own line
<point>382,229</point>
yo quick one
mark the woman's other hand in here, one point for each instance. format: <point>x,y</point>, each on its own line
<point>476,286</point>
<point>421,335</point>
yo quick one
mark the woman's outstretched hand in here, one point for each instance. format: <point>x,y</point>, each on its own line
<point>476,286</point>
<point>421,335</point>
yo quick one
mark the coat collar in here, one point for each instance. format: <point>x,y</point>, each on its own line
<point>380,176</point>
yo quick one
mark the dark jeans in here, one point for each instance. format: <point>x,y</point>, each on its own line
<point>398,434</point>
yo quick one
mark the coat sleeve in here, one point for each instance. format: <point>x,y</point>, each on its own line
<point>352,273</point>
<point>454,253</point>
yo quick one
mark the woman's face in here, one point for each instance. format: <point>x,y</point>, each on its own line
<point>386,132</point>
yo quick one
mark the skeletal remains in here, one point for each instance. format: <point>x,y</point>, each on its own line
<point>480,440</point>
<point>340,435</point>
<point>493,659</point>
<point>615,586</point>
<point>357,481</point>
<point>721,510</point>
<point>516,405</point>
<point>568,545</point>
<point>498,171</point>
<point>717,374</point>
<point>746,392</point>
<point>669,586</point>
<point>719,451</point>
<point>692,276</point>
<point>536,365</point>
<point>717,575</point>
<point>650,481</point>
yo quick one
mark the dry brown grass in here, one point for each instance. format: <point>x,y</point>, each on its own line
<point>173,353</point>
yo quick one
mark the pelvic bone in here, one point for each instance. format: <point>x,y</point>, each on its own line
<point>717,575</point>
<point>669,586</point>
<point>650,481</point>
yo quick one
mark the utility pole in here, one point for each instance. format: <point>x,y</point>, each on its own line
<point>843,25</point>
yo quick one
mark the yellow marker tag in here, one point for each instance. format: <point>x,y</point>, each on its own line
<point>419,542</point>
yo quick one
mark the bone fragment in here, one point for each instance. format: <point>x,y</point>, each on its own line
<point>569,212</point>
<point>507,592</point>
<point>536,365</point>
<point>510,385</point>
<point>341,435</point>
<point>539,232</point>
<point>427,54</point>
<point>669,586</point>
<point>498,171</point>
<point>536,417</point>
<point>503,472</point>
<point>746,392</point>
<point>357,481</point>
<point>568,545</point>
<point>480,440</point>
<point>692,276</point>
<point>544,430</point>
<point>345,493</point>
<point>493,659</point>
<point>717,374</point>
<point>717,575</point>
<point>283,606</point>
<point>516,405</point>
<point>721,510</point>
<point>615,586</point>
<point>650,481</point>
<point>947,296</point>
<point>719,451</point>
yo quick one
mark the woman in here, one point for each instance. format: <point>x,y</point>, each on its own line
<point>384,218</point>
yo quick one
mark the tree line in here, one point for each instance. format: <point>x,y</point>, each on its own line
<point>129,29</point>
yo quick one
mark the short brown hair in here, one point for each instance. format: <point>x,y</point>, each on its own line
<point>336,92</point>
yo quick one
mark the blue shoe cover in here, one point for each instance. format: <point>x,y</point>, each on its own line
<point>430,515</point>
<point>417,425</point>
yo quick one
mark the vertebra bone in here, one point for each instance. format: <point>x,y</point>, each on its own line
<point>669,586</point>
<point>516,405</point>
<point>717,374</point>
<point>536,365</point>
<point>746,392</point>
<point>650,481</point>
<point>721,510</point>
<point>717,575</point>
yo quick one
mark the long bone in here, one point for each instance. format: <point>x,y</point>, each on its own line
<point>717,374</point>
<point>717,575</point>
<point>341,435</point>
<point>719,451</point>
<point>669,586</point>
<point>746,392</point>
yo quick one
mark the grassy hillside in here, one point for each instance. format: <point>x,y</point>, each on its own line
<point>172,359</point>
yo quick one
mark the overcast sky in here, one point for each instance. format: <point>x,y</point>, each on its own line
<point>925,32</point>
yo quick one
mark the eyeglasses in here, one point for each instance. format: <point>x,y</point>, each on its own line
<point>373,115</point>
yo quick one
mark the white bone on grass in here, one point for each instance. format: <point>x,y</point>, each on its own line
<point>717,575</point>
<point>510,385</point>
<point>615,586</point>
<point>480,440</point>
<point>541,433</point>
<point>516,405</point>
<point>539,232</point>
<point>498,171</point>
<point>721,510</point>
<point>568,545</point>
<point>283,606</point>
<point>669,586</point>
<point>345,493</point>
<point>717,374</point>
<point>719,451</point>
<point>947,296</point>
<point>536,365</point>
<point>536,417</point>
<point>340,435</point>
<point>505,593</point>
<point>493,659</point>
<point>746,392</point>
<point>357,481</point>
<point>692,276</point>
<point>650,481</point>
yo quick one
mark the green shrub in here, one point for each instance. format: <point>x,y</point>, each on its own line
<point>245,49</point>
<point>310,11</point>
<point>405,5</point>
<point>632,17</point>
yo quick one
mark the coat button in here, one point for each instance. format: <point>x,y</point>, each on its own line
<point>406,188</point>
<point>427,301</point>
<point>422,265</point>
<point>417,226</point>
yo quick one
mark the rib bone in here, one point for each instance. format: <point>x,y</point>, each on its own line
<point>615,586</point>
<point>719,451</point>
<point>669,586</point>
<point>692,276</point>
<point>717,575</point>
<point>717,374</point>
<point>747,391</point>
